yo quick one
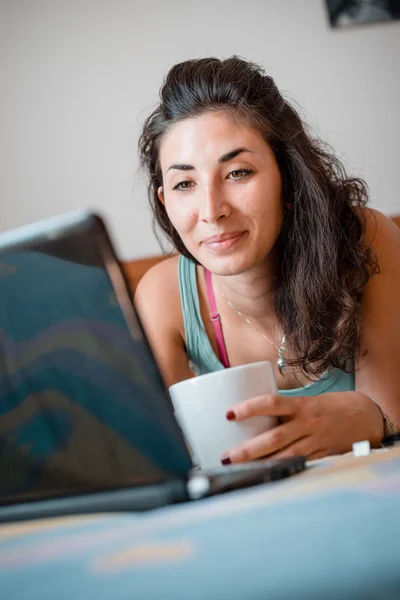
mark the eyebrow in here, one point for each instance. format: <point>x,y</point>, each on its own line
<point>222,159</point>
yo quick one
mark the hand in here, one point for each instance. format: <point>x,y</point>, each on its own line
<point>312,426</point>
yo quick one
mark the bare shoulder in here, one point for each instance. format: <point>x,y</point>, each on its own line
<point>163,273</point>
<point>383,235</point>
<point>158,292</point>
<point>157,300</point>
<point>382,290</point>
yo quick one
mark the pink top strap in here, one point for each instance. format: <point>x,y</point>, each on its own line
<point>216,321</point>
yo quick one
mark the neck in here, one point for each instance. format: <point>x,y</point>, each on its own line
<point>249,292</point>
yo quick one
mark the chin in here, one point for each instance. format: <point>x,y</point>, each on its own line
<point>228,265</point>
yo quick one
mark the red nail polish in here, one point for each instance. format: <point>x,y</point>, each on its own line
<point>230,415</point>
<point>226,460</point>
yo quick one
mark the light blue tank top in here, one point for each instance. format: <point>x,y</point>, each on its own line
<point>203,358</point>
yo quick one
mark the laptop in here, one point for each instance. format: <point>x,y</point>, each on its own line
<point>86,423</point>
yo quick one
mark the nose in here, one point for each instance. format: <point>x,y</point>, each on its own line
<point>214,204</point>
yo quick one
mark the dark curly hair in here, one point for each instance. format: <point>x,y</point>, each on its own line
<point>323,261</point>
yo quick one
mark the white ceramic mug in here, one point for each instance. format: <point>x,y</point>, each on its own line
<point>201,404</point>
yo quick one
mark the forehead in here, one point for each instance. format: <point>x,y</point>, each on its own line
<point>210,135</point>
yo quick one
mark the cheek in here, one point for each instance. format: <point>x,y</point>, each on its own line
<point>181,216</point>
<point>263,203</point>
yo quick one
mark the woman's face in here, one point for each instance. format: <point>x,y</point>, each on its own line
<point>222,192</point>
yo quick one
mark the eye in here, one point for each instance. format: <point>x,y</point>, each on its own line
<point>183,185</point>
<point>239,173</point>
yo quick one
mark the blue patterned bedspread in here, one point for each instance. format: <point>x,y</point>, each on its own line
<point>332,532</point>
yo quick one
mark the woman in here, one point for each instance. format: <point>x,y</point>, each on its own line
<point>279,260</point>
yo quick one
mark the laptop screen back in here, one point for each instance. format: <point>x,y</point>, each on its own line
<point>82,404</point>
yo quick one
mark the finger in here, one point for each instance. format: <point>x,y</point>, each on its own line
<point>266,443</point>
<point>266,405</point>
<point>302,447</point>
<point>318,454</point>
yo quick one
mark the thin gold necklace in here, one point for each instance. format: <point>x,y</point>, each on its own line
<point>281,361</point>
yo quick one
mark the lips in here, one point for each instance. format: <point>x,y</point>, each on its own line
<point>222,237</point>
<point>223,241</point>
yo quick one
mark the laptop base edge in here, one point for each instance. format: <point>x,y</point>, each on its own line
<point>127,500</point>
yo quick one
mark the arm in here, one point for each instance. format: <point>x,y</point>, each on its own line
<point>378,371</point>
<point>157,302</point>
